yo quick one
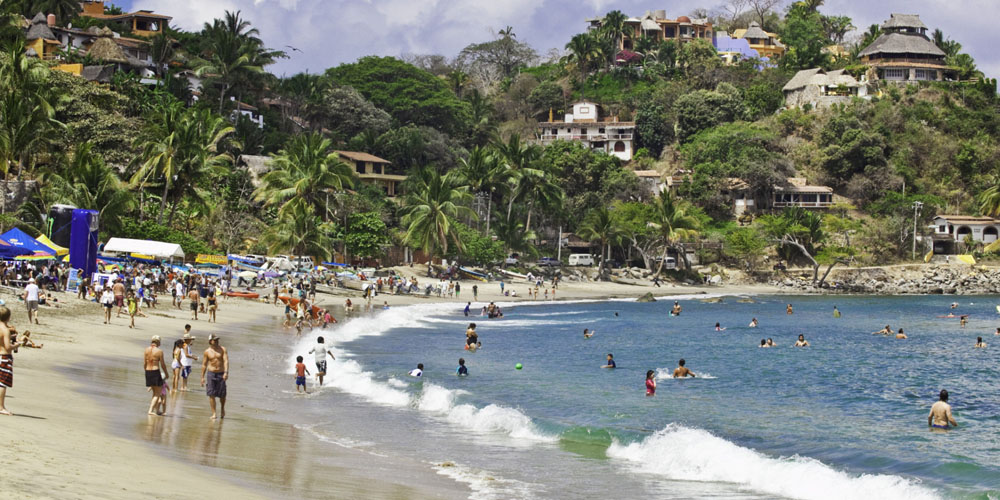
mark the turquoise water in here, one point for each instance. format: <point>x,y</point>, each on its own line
<point>844,418</point>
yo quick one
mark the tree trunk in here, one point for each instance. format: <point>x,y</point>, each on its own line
<point>222,98</point>
<point>489,213</point>
<point>805,253</point>
<point>173,209</point>
<point>163,201</point>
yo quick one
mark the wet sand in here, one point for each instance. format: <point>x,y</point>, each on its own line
<point>80,428</point>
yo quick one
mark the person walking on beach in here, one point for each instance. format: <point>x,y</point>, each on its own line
<point>7,346</point>
<point>215,364</point>
<point>940,416</point>
<point>475,295</point>
<point>650,383</point>
<point>682,371</point>
<point>152,363</point>
<point>108,302</point>
<point>31,300</point>
<point>187,359</point>
<point>320,351</point>
<point>119,291</point>
<point>193,297</point>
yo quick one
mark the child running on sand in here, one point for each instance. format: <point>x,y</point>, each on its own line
<point>300,375</point>
<point>133,306</point>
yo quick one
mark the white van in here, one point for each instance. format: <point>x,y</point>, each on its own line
<point>581,259</point>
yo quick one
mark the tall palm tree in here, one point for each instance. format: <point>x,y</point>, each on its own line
<point>87,182</point>
<point>541,188</point>
<point>583,49</point>
<point>613,27</point>
<point>673,224</point>
<point>300,231</point>
<point>307,169</point>
<point>162,50</point>
<point>990,201</point>
<point>458,80</point>
<point>484,174</point>
<point>433,201</point>
<point>159,143</point>
<point>601,225</point>
<point>515,238</point>
<point>27,108</point>
<point>518,158</point>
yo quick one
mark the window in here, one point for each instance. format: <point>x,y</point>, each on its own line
<point>668,32</point>
<point>619,147</point>
<point>894,74</point>
<point>600,131</point>
<point>942,229</point>
<point>360,167</point>
<point>926,74</point>
<point>584,110</point>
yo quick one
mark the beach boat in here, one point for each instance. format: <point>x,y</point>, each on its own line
<point>321,288</point>
<point>294,303</point>
<point>353,284</point>
<point>512,274</point>
<point>470,274</point>
<point>245,295</point>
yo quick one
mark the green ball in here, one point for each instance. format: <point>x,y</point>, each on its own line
<point>518,366</point>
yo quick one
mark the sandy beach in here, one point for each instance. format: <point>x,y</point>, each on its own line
<point>80,428</point>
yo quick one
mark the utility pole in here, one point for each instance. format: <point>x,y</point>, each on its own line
<point>559,243</point>
<point>916,212</point>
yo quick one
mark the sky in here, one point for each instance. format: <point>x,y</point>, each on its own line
<point>318,34</point>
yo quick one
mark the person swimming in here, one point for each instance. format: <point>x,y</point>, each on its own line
<point>718,327</point>
<point>788,309</point>
<point>802,342</point>
<point>900,334</point>
<point>979,343</point>
<point>611,362</point>
<point>940,416</point>
<point>763,343</point>
<point>587,333</point>
<point>885,331</point>
<point>753,323</point>
<point>963,320</point>
<point>836,312</point>
<point>770,342</point>
<point>682,371</point>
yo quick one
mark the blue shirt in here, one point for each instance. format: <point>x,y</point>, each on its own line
<point>462,370</point>
<point>611,363</point>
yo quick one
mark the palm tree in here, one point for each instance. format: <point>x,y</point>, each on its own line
<point>64,10</point>
<point>27,112</point>
<point>541,188</point>
<point>613,26</point>
<point>458,80</point>
<point>600,224</point>
<point>515,238</point>
<point>518,158</point>
<point>673,224</point>
<point>300,231</point>
<point>307,169</point>
<point>162,51</point>
<point>990,201</point>
<point>583,49</point>
<point>87,182</point>
<point>433,201</point>
<point>484,174</point>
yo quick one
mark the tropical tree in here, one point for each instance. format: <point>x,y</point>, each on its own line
<point>515,238</point>
<point>27,108</point>
<point>86,182</point>
<point>601,225</point>
<point>674,224</point>
<point>306,169</point>
<point>162,50</point>
<point>613,27</point>
<point>484,174</point>
<point>432,204</point>
<point>300,231</point>
<point>540,187</point>
<point>518,159</point>
<point>583,50</point>
<point>990,201</point>
<point>796,231</point>
<point>233,54</point>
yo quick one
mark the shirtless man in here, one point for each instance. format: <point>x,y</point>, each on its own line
<point>885,331</point>
<point>152,361</point>
<point>682,371</point>
<point>802,342</point>
<point>676,310</point>
<point>788,309</point>
<point>940,416</point>
<point>119,290</point>
<point>216,362</point>
<point>979,343</point>
<point>6,359</point>
<point>900,335</point>
<point>194,298</point>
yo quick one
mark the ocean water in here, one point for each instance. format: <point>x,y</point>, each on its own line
<point>843,418</point>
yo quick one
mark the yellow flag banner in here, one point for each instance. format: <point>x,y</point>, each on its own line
<point>211,259</point>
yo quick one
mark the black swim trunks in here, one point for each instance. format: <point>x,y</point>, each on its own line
<point>321,366</point>
<point>215,386</point>
<point>154,378</point>
<point>194,306</point>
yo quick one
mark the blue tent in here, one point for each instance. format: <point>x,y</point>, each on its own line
<point>8,251</point>
<point>334,264</point>
<point>20,239</point>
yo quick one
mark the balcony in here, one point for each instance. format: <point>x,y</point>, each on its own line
<point>587,137</point>
<point>803,204</point>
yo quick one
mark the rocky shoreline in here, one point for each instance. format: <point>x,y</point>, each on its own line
<point>901,280</point>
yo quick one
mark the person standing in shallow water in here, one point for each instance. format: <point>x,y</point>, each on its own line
<point>940,416</point>
<point>650,383</point>
<point>215,364</point>
<point>788,309</point>
<point>152,362</point>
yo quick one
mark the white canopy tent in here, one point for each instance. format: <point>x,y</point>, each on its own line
<point>158,249</point>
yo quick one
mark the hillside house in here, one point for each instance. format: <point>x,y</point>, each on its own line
<point>822,89</point>
<point>904,53</point>
<point>656,25</point>
<point>768,45</point>
<point>144,23</point>
<point>951,230</point>
<point>796,193</point>
<point>732,50</point>
<point>250,112</point>
<point>585,125</point>
<point>375,171</point>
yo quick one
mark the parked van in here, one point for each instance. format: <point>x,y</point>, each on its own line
<point>581,259</point>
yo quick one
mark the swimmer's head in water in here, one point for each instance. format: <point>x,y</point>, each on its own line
<point>680,363</point>
<point>943,395</point>
<point>763,342</point>
<point>978,339</point>
<point>900,330</point>
<point>802,337</point>
<point>420,366</point>
<point>472,326</point>
<point>649,374</point>
<point>611,356</point>
<point>585,331</point>
<point>461,361</point>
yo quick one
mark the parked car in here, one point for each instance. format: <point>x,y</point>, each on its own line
<point>512,260</point>
<point>581,259</point>
<point>548,262</point>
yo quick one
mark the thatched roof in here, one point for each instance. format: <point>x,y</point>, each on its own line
<point>39,29</point>
<point>754,31</point>
<point>818,77</point>
<point>904,21</point>
<point>902,43</point>
<point>105,49</point>
<point>101,74</point>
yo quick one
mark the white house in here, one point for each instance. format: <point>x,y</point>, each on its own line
<point>822,89</point>
<point>250,112</point>
<point>952,229</point>
<point>585,125</point>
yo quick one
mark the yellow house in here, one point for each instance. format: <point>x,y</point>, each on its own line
<point>142,23</point>
<point>40,40</point>
<point>766,44</point>
<point>373,170</point>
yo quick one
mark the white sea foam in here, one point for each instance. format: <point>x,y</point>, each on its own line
<point>668,374</point>
<point>484,484</point>
<point>685,454</point>
<point>492,418</point>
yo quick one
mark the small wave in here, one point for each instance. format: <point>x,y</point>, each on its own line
<point>668,373</point>
<point>685,454</point>
<point>492,418</point>
<point>484,484</point>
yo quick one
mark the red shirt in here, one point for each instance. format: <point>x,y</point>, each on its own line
<point>300,370</point>
<point>650,387</point>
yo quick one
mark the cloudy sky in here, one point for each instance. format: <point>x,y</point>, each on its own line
<point>325,33</point>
